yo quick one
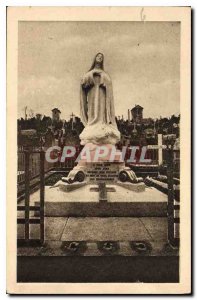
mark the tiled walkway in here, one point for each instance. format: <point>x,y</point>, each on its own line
<point>89,232</point>
<point>101,229</point>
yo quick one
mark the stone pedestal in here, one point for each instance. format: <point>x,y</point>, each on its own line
<point>86,201</point>
<point>101,164</point>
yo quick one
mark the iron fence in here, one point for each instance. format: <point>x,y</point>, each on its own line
<point>27,220</point>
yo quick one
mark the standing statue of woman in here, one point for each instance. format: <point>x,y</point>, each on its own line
<point>97,106</point>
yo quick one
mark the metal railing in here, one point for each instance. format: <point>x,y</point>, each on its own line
<point>173,206</point>
<point>27,208</point>
<point>34,164</point>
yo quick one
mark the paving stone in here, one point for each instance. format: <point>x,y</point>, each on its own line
<point>104,229</point>
<point>34,231</point>
<point>157,227</point>
<point>53,229</point>
<point>54,194</point>
<point>20,231</point>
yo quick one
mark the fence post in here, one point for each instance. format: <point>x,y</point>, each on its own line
<point>160,150</point>
<point>42,190</point>
<point>27,193</point>
<point>170,207</point>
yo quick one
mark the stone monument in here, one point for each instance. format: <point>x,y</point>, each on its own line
<point>100,162</point>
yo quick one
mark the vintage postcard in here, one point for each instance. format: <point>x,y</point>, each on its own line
<point>98,150</point>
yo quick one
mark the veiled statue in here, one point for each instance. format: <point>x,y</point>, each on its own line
<point>98,117</point>
<point>97,106</point>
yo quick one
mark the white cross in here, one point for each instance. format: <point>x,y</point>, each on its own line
<point>160,147</point>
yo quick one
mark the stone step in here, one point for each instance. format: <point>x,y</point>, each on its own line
<point>84,202</point>
<point>105,209</point>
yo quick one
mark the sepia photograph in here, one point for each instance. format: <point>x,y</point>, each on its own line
<point>100,141</point>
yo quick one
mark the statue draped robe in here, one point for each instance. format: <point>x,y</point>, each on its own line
<point>97,109</point>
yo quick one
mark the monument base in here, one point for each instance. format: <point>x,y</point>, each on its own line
<point>101,178</point>
<point>67,187</point>
<point>120,202</point>
<point>102,164</point>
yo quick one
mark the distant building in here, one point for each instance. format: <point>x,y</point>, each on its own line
<point>56,114</point>
<point>137,114</point>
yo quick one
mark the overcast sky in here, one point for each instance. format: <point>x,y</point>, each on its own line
<point>143,60</point>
